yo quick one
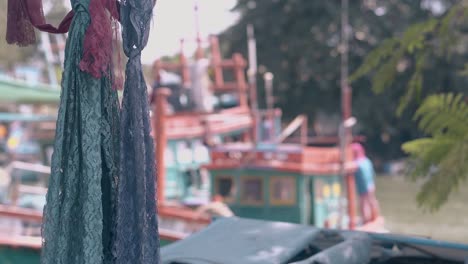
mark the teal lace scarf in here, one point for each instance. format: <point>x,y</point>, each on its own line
<point>81,199</point>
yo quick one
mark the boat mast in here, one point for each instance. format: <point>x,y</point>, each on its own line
<point>252,75</point>
<point>199,53</point>
<point>346,123</point>
<point>270,103</point>
<point>160,139</point>
<point>252,72</point>
<point>46,48</point>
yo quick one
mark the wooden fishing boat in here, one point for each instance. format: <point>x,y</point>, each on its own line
<point>272,180</point>
<point>259,175</point>
<point>183,138</point>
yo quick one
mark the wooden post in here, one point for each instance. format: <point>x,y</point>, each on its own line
<point>157,71</point>
<point>351,195</point>
<point>216,62</point>
<point>160,140</point>
<point>252,70</point>
<point>252,78</point>
<point>304,131</point>
<point>346,135</point>
<point>347,138</point>
<point>240,78</point>
<point>251,75</point>
<point>184,66</point>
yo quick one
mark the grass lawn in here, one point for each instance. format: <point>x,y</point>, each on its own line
<point>397,197</point>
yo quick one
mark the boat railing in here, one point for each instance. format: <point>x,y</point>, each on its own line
<point>24,214</point>
<point>267,125</point>
<point>39,168</point>
<point>17,186</point>
<point>300,122</point>
<point>235,65</point>
<point>186,125</point>
<point>320,160</point>
<point>322,140</point>
<point>38,190</point>
<point>20,227</point>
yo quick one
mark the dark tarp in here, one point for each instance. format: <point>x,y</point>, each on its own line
<point>236,240</point>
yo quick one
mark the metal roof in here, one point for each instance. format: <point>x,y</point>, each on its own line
<point>19,92</point>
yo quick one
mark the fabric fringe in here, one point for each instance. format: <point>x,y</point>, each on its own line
<point>97,56</point>
<point>25,15</point>
<point>20,31</point>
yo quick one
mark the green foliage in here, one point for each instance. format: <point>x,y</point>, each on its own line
<point>431,38</point>
<point>464,72</point>
<point>417,57</point>
<point>415,85</point>
<point>441,159</point>
<point>375,58</point>
<point>298,41</point>
<point>384,61</point>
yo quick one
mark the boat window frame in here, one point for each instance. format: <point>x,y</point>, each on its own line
<point>283,202</point>
<point>242,199</point>
<point>233,194</point>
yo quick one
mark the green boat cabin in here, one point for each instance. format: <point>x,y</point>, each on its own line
<point>282,182</point>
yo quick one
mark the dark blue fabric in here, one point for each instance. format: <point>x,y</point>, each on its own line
<point>137,239</point>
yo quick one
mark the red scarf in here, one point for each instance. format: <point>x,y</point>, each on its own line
<point>25,15</point>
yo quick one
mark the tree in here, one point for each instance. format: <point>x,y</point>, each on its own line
<point>423,47</point>
<point>440,157</point>
<point>298,41</point>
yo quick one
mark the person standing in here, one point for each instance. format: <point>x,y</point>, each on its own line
<point>365,184</point>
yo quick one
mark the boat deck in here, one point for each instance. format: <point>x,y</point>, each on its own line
<point>284,157</point>
<point>198,125</point>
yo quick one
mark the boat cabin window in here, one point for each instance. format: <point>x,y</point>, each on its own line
<point>252,190</point>
<point>282,190</point>
<point>224,186</point>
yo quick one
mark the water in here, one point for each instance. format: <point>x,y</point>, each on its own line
<point>397,197</point>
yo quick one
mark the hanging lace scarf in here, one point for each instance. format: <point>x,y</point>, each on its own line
<point>79,216</point>
<point>137,229</point>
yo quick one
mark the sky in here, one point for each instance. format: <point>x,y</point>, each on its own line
<point>175,19</point>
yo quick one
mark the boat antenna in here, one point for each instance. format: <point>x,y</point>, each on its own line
<point>199,53</point>
<point>347,121</point>
<point>344,48</point>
